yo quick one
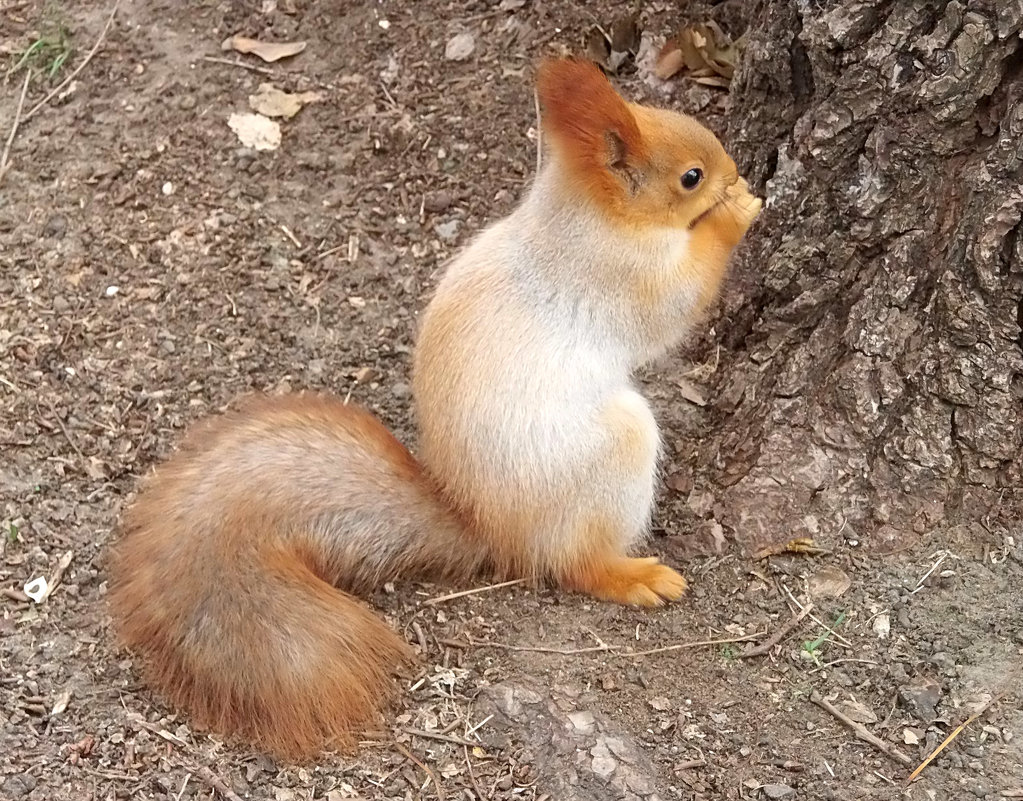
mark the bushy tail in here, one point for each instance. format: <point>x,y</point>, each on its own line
<point>225,579</point>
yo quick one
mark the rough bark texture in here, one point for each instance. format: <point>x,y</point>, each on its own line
<point>872,358</point>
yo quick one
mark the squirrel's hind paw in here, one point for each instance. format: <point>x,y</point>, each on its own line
<point>636,582</point>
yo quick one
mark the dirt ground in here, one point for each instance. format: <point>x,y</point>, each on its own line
<point>152,269</point>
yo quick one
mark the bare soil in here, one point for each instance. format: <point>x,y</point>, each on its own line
<point>152,269</point>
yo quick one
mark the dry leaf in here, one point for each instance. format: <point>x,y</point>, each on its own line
<point>61,704</point>
<point>704,51</point>
<point>273,102</point>
<point>719,83</point>
<point>256,131</point>
<point>691,392</point>
<point>829,582</point>
<point>669,61</point>
<point>459,46</point>
<point>268,51</point>
<point>861,713</point>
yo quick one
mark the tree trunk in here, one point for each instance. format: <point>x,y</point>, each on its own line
<point>871,376</point>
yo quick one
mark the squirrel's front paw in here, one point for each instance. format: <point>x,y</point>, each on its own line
<point>637,582</point>
<point>744,204</point>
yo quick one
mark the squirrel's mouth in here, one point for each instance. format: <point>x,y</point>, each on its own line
<point>703,214</point>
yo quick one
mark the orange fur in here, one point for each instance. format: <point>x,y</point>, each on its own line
<point>588,123</point>
<point>231,578</point>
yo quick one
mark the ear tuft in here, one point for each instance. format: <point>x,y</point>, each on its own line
<point>583,113</point>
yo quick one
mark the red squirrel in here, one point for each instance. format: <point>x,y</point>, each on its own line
<point>235,575</point>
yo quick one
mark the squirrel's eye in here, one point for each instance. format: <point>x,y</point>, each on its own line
<point>691,179</point>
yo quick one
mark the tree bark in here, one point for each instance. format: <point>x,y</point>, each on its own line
<point>871,376</point>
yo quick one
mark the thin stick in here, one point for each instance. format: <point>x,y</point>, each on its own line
<point>539,132</point>
<point>839,639</point>
<point>451,596</point>
<point>67,434</point>
<point>14,595</point>
<point>214,782</point>
<point>616,650</point>
<point>944,743</point>
<point>847,659</point>
<point>478,726</point>
<point>472,774</point>
<point>766,646</point>
<point>432,735</point>
<point>860,731</point>
<point>14,128</point>
<point>697,644</point>
<point>242,64</point>
<point>426,769</point>
<point>58,572</point>
<point>291,236</point>
<point>60,87</point>
<point>538,649</point>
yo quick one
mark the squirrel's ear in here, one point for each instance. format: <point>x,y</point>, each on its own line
<point>586,119</point>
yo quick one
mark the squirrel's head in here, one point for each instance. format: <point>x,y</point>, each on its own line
<point>644,166</point>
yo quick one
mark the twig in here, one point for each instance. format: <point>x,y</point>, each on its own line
<point>847,659</point>
<point>942,556</point>
<point>426,769</point>
<point>60,87</point>
<point>14,595</point>
<point>432,735</point>
<point>697,644</point>
<point>478,726</point>
<point>58,573</point>
<point>14,128</point>
<point>291,236</point>
<point>451,596</point>
<point>472,774</point>
<point>616,650</point>
<point>213,781</point>
<point>838,637</point>
<point>766,646</point>
<point>860,731</point>
<point>67,434</point>
<point>539,649</point>
<point>242,64</point>
<point>944,743</point>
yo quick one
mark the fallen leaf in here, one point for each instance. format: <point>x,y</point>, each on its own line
<point>704,51</point>
<point>273,102</point>
<point>268,51</point>
<point>459,47</point>
<point>597,47</point>
<point>61,704</point>
<point>256,131</point>
<point>365,374</point>
<point>691,392</point>
<point>669,61</point>
<point>680,482</point>
<point>911,736</point>
<point>829,582</point>
<point>625,33</point>
<point>857,711</point>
